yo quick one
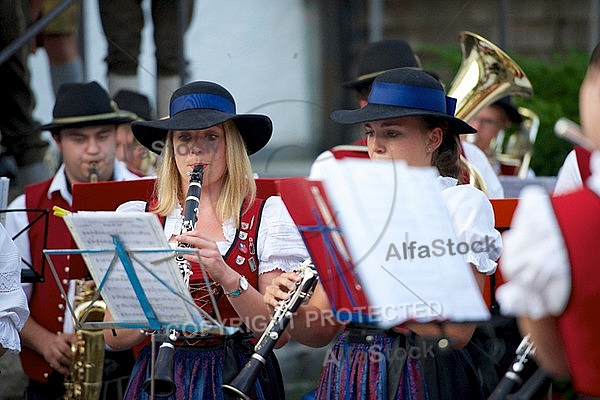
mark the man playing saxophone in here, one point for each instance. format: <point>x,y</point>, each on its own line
<point>83,127</point>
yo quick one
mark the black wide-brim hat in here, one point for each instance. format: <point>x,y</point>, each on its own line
<point>134,102</point>
<point>511,111</point>
<point>84,104</point>
<point>378,57</point>
<point>406,92</point>
<point>200,105</point>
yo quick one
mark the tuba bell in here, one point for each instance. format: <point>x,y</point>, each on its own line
<point>486,74</point>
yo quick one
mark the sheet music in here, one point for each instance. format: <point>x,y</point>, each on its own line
<point>137,231</point>
<point>383,207</point>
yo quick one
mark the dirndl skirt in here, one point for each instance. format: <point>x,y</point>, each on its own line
<point>375,368</point>
<point>199,372</point>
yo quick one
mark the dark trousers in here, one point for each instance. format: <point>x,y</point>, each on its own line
<point>117,370</point>
<point>123,21</point>
<point>19,138</point>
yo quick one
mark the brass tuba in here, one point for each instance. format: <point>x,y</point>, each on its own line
<point>517,151</point>
<point>485,75</point>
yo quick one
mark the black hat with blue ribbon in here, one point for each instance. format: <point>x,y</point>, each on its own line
<point>200,105</point>
<point>406,92</point>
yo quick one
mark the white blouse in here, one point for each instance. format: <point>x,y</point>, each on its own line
<point>535,263</point>
<point>472,216</point>
<point>13,303</point>
<point>279,244</point>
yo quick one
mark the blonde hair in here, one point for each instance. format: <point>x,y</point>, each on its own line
<point>238,180</point>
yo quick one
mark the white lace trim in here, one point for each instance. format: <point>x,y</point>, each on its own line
<point>9,335</point>
<point>482,263</point>
<point>10,281</point>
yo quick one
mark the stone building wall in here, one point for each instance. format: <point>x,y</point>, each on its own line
<point>532,28</point>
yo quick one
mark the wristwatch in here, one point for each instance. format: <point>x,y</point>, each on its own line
<point>241,288</point>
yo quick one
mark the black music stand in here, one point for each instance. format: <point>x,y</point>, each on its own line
<point>140,284</point>
<point>29,274</point>
<point>367,283</point>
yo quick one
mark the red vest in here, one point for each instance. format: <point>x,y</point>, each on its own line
<point>583,162</point>
<point>240,256</point>
<point>578,215</point>
<point>46,305</point>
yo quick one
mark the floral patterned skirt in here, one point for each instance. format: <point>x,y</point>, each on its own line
<point>199,372</point>
<point>378,366</point>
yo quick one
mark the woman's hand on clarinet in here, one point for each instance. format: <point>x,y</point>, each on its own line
<point>279,289</point>
<point>210,257</point>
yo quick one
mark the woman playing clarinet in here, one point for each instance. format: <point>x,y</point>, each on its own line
<point>408,117</point>
<point>243,242</point>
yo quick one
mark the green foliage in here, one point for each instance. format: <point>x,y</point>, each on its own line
<point>556,94</point>
<point>555,82</point>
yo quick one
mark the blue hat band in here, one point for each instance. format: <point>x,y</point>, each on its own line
<point>394,94</point>
<point>201,101</point>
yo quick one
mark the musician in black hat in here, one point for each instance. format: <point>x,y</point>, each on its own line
<point>84,129</point>
<point>373,59</point>
<point>243,241</point>
<point>376,58</point>
<point>408,117</point>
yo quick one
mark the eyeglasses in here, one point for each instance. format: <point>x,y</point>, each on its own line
<point>491,123</point>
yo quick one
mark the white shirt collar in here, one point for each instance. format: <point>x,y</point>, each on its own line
<point>445,182</point>
<point>59,184</point>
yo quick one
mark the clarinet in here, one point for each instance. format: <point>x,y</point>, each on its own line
<point>513,378</point>
<point>163,383</point>
<point>241,384</point>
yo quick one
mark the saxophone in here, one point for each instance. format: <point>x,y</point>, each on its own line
<point>84,380</point>
<point>241,384</point>
<point>162,384</point>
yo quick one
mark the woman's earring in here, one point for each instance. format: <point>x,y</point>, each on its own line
<point>428,149</point>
